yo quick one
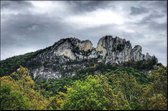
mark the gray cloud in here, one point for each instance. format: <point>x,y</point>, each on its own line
<point>138,10</point>
<point>15,5</point>
<point>29,26</point>
<point>87,5</point>
<point>38,30</point>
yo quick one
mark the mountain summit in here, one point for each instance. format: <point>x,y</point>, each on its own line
<point>69,55</point>
<point>72,53</point>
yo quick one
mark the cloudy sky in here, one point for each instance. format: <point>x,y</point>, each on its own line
<point>31,25</point>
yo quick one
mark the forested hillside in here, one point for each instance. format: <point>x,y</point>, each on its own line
<point>72,74</point>
<point>83,55</point>
<point>68,54</point>
<point>115,89</point>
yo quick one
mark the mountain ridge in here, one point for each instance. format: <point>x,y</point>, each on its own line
<point>52,61</point>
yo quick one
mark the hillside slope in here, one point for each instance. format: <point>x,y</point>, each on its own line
<point>67,56</point>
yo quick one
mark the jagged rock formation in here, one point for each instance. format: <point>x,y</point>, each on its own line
<point>59,60</point>
<point>117,50</point>
<point>73,48</point>
<point>114,50</point>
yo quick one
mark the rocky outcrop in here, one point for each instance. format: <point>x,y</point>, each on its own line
<point>53,62</point>
<point>85,45</point>
<point>136,53</point>
<point>73,48</point>
<point>117,50</point>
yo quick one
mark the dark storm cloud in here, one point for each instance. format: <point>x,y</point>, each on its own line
<point>15,4</point>
<point>23,30</point>
<point>29,25</point>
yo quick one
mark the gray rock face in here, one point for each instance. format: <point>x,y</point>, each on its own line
<point>136,53</point>
<point>49,63</point>
<point>117,50</point>
<point>74,49</point>
<point>53,62</point>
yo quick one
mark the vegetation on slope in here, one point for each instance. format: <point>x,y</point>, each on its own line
<point>11,64</point>
<point>120,88</point>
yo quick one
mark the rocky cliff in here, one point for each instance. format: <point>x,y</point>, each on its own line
<point>117,50</point>
<point>70,54</point>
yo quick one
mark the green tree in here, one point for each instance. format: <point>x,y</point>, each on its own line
<point>94,93</point>
<point>57,101</point>
<point>13,100</point>
<point>158,78</point>
<point>128,86</point>
<point>155,93</point>
<point>22,87</point>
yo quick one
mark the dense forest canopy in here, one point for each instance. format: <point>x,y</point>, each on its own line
<point>116,89</point>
